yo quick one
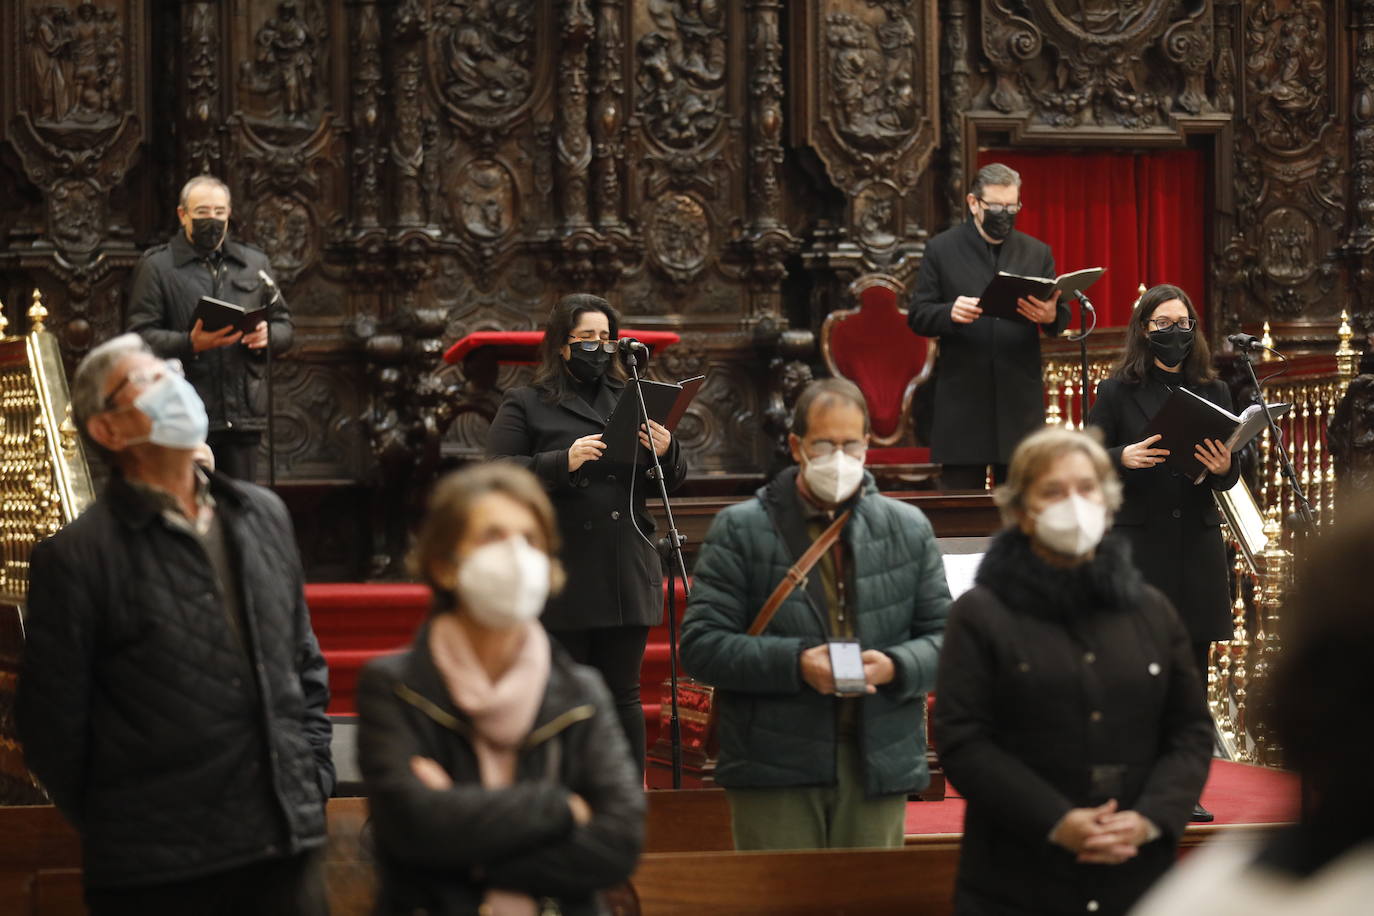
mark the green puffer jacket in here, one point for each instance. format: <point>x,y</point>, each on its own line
<point>775,730</point>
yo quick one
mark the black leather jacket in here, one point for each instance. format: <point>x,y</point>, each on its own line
<point>438,852</point>
<point>168,283</point>
<point>175,749</point>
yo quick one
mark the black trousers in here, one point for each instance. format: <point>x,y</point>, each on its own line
<point>275,887</point>
<point>970,476</point>
<point>618,653</point>
<point>236,452</point>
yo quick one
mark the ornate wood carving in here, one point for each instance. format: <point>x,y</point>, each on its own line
<point>1360,243</point>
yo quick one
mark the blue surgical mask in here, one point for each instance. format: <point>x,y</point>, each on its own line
<point>178,416</point>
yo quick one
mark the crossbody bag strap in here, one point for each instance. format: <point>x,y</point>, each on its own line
<point>797,574</point>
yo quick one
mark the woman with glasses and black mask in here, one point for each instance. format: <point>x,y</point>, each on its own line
<point>1173,525</point>
<point>554,428</point>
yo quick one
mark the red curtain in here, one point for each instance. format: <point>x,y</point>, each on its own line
<point>1140,215</point>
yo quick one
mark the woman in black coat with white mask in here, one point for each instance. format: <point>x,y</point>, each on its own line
<point>1067,713</point>
<point>1173,525</point>
<point>554,428</point>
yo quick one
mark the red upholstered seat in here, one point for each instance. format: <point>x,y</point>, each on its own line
<point>873,347</point>
<point>522,347</point>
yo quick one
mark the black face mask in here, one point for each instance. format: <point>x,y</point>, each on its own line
<point>997,224</point>
<point>1171,347</point>
<point>207,232</point>
<point>587,365</point>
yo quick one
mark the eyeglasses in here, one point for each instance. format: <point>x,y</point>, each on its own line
<point>1164,324</point>
<point>824,448</point>
<point>1001,208</point>
<point>591,346</point>
<point>142,378</point>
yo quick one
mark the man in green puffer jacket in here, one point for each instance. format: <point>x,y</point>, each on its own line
<point>802,766</point>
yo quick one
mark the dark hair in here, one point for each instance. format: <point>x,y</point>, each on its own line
<point>552,378</point>
<point>1322,684</point>
<point>1137,358</point>
<point>826,391</point>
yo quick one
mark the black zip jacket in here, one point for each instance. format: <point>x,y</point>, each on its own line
<point>438,852</point>
<point>174,747</point>
<point>168,284</point>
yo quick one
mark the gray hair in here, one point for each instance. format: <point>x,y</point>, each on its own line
<point>88,382</point>
<point>196,182</point>
<point>994,174</point>
<point>1033,457</point>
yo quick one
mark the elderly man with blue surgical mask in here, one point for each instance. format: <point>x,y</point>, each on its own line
<point>172,696</point>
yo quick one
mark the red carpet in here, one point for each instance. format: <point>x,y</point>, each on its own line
<point>1235,792</point>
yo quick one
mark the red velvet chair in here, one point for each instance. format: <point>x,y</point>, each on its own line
<point>873,347</point>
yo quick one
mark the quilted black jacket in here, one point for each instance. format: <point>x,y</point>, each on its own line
<point>438,852</point>
<point>168,283</point>
<point>174,751</point>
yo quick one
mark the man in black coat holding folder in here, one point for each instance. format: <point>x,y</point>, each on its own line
<point>227,367</point>
<point>988,386</point>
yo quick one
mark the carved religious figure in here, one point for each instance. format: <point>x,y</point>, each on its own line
<point>487,52</point>
<point>286,62</point>
<point>681,74</point>
<point>78,63</point>
<point>1287,67</point>
<point>872,79</point>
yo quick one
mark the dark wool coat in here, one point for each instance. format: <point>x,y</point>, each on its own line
<point>615,576</point>
<point>168,284</point>
<point>775,730</point>
<point>1062,689</point>
<point>1174,527</point>
<point>173,751</point>
<point>438,852</point>
<point>988,389</point>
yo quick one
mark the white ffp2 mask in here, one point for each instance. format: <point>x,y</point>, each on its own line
<point>504,584</point>
<point>1072,526</point>
<point>835,477</point>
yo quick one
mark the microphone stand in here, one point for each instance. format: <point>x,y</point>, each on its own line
<point>271,413</point>
<point>1285,465</point>
<point>1085,308</point>
<point>670,548</point>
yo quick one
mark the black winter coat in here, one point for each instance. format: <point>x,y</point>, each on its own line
<point>174,751</point>
<point>988,388</point>
<point>1173,526</point>
<point>168,283</point>
<point>615,577</point>
<point>1061,689</point>
<point>438,852</point>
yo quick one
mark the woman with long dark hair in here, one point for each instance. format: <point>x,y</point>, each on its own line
<point>554,428</point>
<point>1173,526</point>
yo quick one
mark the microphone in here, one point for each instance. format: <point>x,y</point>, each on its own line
<point>271,284</point>
<point>1244,342</point>
<point>628,345</point>
<point>1084,301</point>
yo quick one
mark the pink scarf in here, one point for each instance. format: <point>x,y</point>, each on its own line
<point>502,713</point>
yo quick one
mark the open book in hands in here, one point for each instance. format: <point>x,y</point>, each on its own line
<point>1186,419</point>
<point>1000,295</point>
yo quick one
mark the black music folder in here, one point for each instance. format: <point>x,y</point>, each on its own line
<point>1000,295</point>
<point>666,403</point>
<point>1186,419</point>
<point>216,314</point>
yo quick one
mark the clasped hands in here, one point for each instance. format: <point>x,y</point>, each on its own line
<point>815,669</point>
<point>966,309</point>
<point>202,340</point>
<point>1103,835</point>
<point>1213,454</point>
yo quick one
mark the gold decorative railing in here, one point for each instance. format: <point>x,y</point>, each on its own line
<point>44,483</point>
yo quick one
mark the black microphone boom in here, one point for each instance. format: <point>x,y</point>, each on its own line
<point>1244,342</point>
<point>630,345</point>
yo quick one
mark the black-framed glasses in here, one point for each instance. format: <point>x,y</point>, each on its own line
<point>1165,324</point>
<point>1001,208</point>
<point>591,346</point>
<point>145,377</point>
<point>824,448</point>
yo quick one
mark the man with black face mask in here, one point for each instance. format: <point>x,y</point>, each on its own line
<point>227,368</point>
<point>988,387</point>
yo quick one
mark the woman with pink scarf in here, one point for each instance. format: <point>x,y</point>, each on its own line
<point>499,778</point>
